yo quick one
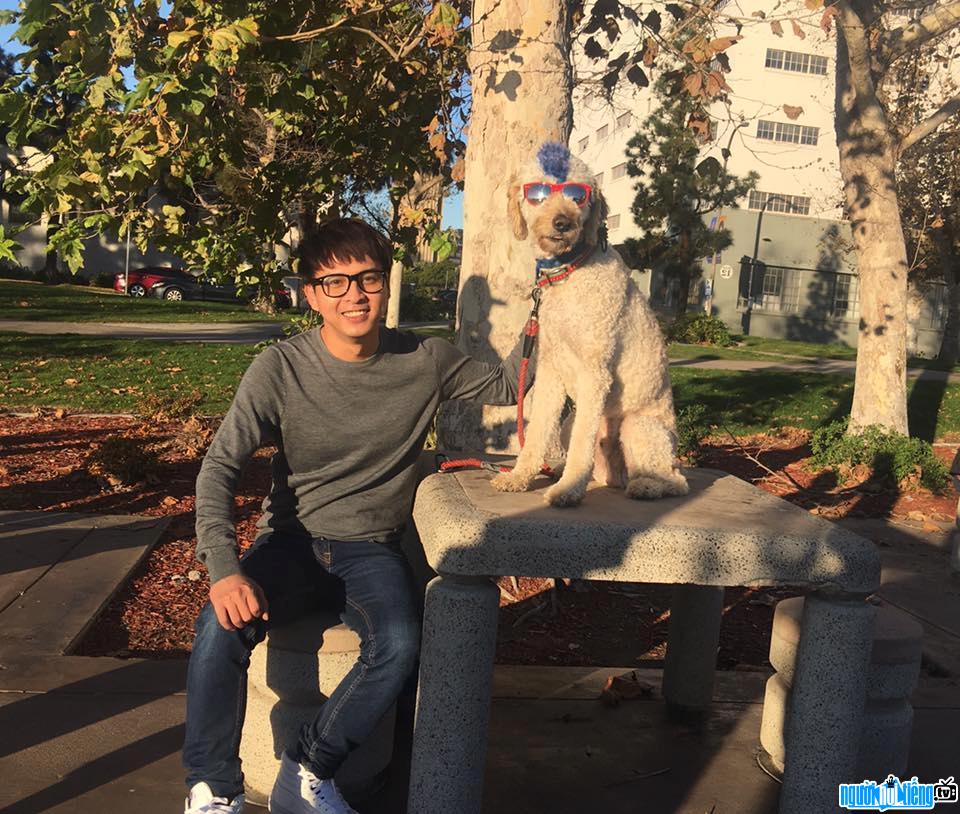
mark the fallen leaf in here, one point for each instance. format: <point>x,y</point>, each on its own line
<point>173,370</point>
<point>70,382</point>
<point>932,528</point>
<point>170,500</point>
<point>60,412</point>
<point>624,688</point>
<point>42,362</point>
<point>916,515</point>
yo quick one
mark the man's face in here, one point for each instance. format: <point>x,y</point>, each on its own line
<point>356,314</point>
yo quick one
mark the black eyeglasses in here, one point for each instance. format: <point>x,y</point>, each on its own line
<point>336,285</point>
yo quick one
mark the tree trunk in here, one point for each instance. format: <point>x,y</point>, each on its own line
<point>521,79</point>
<point>393,300</point>
<point>867,162</point>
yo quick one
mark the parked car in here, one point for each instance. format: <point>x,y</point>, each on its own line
<point>447,297</point>
<point>196,288</point>
<point>140,281</point>
<point>201,288</point>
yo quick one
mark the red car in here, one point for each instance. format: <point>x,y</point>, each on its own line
<point>140,281</point>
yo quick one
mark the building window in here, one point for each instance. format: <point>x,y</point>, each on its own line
<point>602,133</point>
<point>584,142</point>
<point>613,222</point>
<point>846,297</point>
<point>777,202</point>
<point>796,62</point>
<point>793,133</point>
<point>624,120</point>
<point>620,170</point>
<point>781,290</point>
<point>598,179</point>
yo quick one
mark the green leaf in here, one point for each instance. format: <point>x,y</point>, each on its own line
<point>8,16</point>
<point>177,38</point>
<point>8,246</point>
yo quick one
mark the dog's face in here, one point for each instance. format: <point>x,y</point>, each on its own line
<point>557,221</point>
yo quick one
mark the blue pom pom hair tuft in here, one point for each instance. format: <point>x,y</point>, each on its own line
<point>554,159</point>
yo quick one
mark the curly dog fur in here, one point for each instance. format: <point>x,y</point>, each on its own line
<point>599,344</point>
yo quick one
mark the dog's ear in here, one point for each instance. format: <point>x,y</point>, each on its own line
<point>513,211</point>
<point>598,216</point>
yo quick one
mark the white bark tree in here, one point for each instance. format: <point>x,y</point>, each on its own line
<point>521,83</point>
<point>870,147</point>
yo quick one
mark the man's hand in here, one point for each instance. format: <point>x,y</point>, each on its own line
<point>237,601</point>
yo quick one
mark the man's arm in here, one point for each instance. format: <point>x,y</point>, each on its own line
<point>462,377</point>
<point>253,418</point>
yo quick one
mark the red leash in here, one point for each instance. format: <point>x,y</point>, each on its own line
<point>530,331</point>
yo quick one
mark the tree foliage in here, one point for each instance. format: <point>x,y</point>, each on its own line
<point>208,128</point>
<point>675,188</point>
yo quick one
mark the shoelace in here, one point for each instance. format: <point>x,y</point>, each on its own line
<point>218,805</point>
<point>328,793</point>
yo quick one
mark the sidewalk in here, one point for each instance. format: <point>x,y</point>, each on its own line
<point>91,735</point>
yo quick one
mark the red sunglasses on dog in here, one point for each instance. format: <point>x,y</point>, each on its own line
<point>536,193</point>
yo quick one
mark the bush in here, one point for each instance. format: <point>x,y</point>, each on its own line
<point>889,455</point>
<point>14,271</point>
<point>103,280</point>
<point>699,329</point>
<point>122,460</point>
<point>692,428</point>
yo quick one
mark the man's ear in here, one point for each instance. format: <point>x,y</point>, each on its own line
<point>596,219</point>
<point>517,222</point>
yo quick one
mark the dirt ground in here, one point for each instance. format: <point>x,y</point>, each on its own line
<point>44,465</point>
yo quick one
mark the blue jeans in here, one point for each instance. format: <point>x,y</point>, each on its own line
<point>371,587</point>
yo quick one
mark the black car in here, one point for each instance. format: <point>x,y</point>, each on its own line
<point>196,288</point>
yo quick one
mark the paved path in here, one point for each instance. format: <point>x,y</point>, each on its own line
<point>219,332</point>
<point>88,735</point>
<point>253,332</point>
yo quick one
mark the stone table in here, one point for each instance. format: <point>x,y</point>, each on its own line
<point>726,532</point>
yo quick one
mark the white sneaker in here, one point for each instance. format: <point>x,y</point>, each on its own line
<point>203,801</point>
<point>300,791</point>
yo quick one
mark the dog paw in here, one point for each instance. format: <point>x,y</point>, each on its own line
<point>510,482</point>
<point>561,495</point>
<point>649,488</point>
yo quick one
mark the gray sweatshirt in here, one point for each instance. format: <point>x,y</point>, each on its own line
<point>348,435</point>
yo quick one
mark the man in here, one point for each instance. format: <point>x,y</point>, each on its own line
<point>348,406</point>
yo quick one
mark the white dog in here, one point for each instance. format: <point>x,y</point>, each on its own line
<point>599,344</point>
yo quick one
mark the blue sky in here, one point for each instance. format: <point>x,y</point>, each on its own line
<point>452,207</point>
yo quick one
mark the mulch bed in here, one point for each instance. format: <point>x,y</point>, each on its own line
<point>44,466</point>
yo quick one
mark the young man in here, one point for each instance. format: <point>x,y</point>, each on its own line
<point>348,406</point>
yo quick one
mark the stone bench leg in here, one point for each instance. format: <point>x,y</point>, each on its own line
<point>694,633</point>
<point>829,692</point>
<point>453,702</point>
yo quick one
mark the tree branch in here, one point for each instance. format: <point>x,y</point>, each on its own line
<point>931,123</point>
<point>894,44</point>
<point>858,59</point>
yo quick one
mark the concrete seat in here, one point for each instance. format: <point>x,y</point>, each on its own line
<point>884,743</point>
<point>292,673</point>
<point>724,533</point>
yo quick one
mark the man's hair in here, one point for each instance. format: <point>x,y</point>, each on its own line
<point>341,241</point>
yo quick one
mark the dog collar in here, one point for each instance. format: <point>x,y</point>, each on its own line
<point>568,262</point>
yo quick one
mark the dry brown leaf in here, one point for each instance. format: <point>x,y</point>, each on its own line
<point>173,370</point>
<point>60,412</point>
<point>722,44</point>
<point>826,21</point>
<point>797,30</point>
<point>459,170</point>
<point>693,84</point>
<point>776,27</point>
<point>792,111</point>
<point>716,83</point>
<point>650,51</point>
<point>70,382</point>
<point>813,5</point>
<point>624,688</point>
<point>170,500</point>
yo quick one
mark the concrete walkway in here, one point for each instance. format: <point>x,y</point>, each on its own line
<point>219,332</point>
<point>92,735</point>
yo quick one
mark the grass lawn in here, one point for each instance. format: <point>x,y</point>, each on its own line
<point>74,303</point>
<point>91,374</point>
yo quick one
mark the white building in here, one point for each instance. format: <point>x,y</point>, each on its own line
<point>778,121</point>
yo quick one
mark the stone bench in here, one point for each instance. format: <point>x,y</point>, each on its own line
<point>292,673</point>
<point>724,533</point>
<point>884,743</point>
